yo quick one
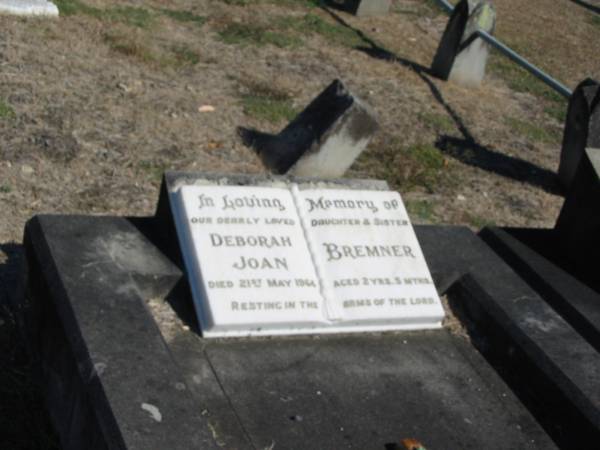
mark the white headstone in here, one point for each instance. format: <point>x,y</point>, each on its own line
<point>28,8</point>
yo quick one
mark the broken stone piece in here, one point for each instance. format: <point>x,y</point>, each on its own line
<point>322,141</point>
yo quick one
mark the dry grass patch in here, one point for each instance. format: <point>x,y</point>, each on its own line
<point>6,111</point>
<point>266,102</point>
<point>420,166</point>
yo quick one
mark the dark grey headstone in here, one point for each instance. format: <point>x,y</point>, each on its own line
<point>582,129</point>
<point>578,226</point>
<point>323,141</point>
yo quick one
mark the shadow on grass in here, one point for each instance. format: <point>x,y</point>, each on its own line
<point>465,149</point>
<point>24,422</point>
<point>588,6</point>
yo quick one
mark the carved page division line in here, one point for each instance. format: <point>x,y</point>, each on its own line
<point>330,310</point>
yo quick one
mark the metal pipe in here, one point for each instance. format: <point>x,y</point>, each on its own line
<point>514,56</point>
<point>447,6</point>
<point>538,73</point>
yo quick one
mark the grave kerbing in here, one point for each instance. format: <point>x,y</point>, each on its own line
<point>322,141</point>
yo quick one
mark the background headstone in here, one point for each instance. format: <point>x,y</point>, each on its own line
<point>582,128</point>
<point>462,56</point>
<point>322,141</point>
<point>578,225</point>
<point>28,8</point>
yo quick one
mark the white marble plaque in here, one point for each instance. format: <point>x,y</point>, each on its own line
<point>279,260</point>
<point>368,257</point>
<point>247,260</point>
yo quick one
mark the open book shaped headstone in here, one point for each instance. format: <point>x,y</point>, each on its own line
<point>287,259</point>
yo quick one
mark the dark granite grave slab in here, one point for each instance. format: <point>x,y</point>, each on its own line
<point>112,323</point>
<point>311,392</point>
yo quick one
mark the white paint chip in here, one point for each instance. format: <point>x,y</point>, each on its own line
<point>28,8</point>
<point>153,410</point>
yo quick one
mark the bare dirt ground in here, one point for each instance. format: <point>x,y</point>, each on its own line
<point>96,104</point>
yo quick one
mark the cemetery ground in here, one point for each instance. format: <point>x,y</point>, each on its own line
<point>95,105</point>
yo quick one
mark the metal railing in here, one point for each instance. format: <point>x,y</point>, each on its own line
<point>515,57</point>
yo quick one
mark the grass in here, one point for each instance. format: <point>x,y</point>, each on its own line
<point>420,166</point>
<point>153,169</point>
<point>236,2</point>
<point>264,102</point>
<point>305,3</point>
<point>440,123</point>
<point>131,47</point>
<point>287,32</point>
<point>130,15</point>
<point>267,108</point>
<point>176,56</point>
<point>595,21</point>
<point>184,16</point>
<point>420,210</point>
<point>6,111</point>
<point>531,131</point>
<point>259,35</point>
<point>184,56</point>
<point>5,189</point>
<point>518,79</point>
<point>314,24</point>
<point>75,7</point>
<point>479,222</point>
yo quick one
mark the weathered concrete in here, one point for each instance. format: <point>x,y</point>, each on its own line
<point>28,8</point>
<point>323,141</point>
<point>582,129</point>
<point>462,56</point>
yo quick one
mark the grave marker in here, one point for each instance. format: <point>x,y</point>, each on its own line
<point>322,141</point>
<point>290,260</point>
<point>462,56</point>
<point>578,225</point>
<point>582,129</point>
<point>28,8</point>
<point>123,364</point>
